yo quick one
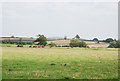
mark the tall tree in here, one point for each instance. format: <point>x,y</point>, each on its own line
<point>41,39</point>
<point>95,39</point>
<point>65,37</point>
<point>20,40</point>
<point>12,36</point>
<point>77,36</point>
<point>108,40</point>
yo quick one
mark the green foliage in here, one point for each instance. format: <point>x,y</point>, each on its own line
<point>114,44</point>
<point>77,43</point>
<point>77,36</point>
<point>95,39</point>
<point>65,37</point>
<point>23,43</point>
<point>82,44</point>
<point>42,40</point>
<point>66,46</point>
<point>29,43</point>
<point>8,41</point>
<point>12,36</point>
<point>108,40</point>
<point>20,39</point>
<point>52,44</point>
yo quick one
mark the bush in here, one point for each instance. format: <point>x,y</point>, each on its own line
<point>23,43</point>
<point>58,46</point>
<point>8,41</point>
<point>41,39</point>
<point>77,43</point>
<point>82,44</point>
<point>114,44</point>
<point>65,46</point>
<point>29,43</point>
<point>52,44</point>
<point>108,40</point>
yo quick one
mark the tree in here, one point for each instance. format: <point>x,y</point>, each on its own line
<point>96,39</point>
<point>114,44</point>
<point>20,40</point>
<point>41,39</point>
<point>65,37</point>
<point>31,37</point>
<point>77,36</point>
<point>82,44</point>
<point>108,40</point>
<point>52,44</point>
<point>12,36</point>
<point>77,43</point>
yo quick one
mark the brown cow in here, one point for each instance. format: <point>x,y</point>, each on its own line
<point>34,46</point>
<point>43,46</point>
<point>19,45</point>
<point>30,46</point>
<point>87,47</point>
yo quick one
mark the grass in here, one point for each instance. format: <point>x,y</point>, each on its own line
<point>59,63</point>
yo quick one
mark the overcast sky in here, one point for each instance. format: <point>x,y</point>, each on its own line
<point>88,19</point>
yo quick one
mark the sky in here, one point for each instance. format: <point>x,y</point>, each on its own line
<point>58,19</point>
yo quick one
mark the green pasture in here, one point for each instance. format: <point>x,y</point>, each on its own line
<point>59,63</point>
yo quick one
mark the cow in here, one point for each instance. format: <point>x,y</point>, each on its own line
<point>87,47</point>
<point>71,46</point>
<point>30,46</point>
<point>19,45</point>
<point>43,46</point>
<point>34,46</point>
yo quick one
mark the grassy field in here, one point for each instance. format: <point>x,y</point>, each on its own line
<point>59,63</point>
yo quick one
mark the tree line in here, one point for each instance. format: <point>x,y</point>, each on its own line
<point>75,42</point>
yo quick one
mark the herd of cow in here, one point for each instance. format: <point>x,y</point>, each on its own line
<point>34,46</point>
<point>31,46</point>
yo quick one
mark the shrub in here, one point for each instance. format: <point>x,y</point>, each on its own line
<point>114,44</point>
<point>52,44</point>
<point>82,44</point>
<point>41,39</point>
<point>58,46</point>
<point>108,40</point>
<point>95,39</point>
<point>8,41</point>
<point>65,46</point>
<point>77,43</point>
<point>23,43</point>
<point>29,43</point>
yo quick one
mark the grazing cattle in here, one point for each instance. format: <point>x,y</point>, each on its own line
<point>34,46</point>
<point>71,46</point>
<point>43,46</point>
<point>87,47</point>
<point>19,45</point>
<point>30,46</point>
<point>39,46</point>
